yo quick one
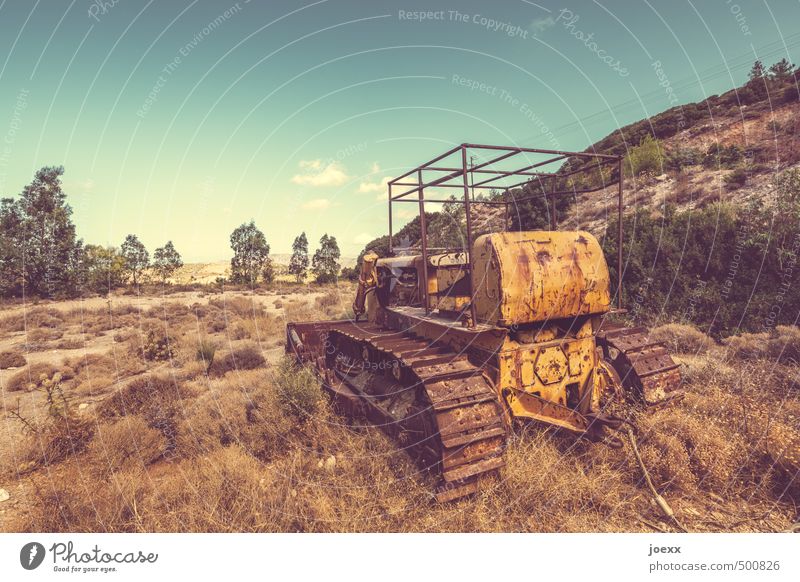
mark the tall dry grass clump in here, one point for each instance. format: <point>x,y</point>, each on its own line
<point>11,359</point>
<point>245,357</point>
<point>682,338</point>
<point>780,345</point>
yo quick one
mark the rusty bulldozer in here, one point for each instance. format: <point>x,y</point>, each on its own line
<point>449,346</point>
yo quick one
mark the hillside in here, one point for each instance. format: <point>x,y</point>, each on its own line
<point>764,136</point>
<point>711,210</point>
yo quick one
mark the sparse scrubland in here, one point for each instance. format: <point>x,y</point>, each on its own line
<point>172,407</point>
<point>181,414</point>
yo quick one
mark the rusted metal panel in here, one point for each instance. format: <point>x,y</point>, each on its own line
<point>529,277</point>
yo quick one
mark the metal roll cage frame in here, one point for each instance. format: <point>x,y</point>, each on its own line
<point>497,180</point>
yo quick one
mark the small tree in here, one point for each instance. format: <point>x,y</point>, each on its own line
<point>166,260</point>
<point>325,264</point>
<point>268,272</point>
<point>250,253</point>
<point>136,257</point>
<point>781,70</point>
<point>298,264</point>
<point>105,268</point>
<point>757,71</point>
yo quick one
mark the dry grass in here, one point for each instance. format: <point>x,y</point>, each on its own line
<point>31,377</point>
<point>32,318</point>
<point>781,345</point>
<point>246,357</point>
<point>54,441</point>
<point>130,441</point>
<point>260,449</point>
<point>11,359</point>
<point>681,338</point>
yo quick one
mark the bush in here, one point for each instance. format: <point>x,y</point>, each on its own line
<point>349,274</point>
<point>11,360</point>
<point>159,399</point>
<point>243,307</point>
<point>682,338</point>
<point>781,345</point>
<point>34,376</point>
<point>129,440</point>
<point>157,346</point>
<point>43,334</point>
<point>648,156</point>
<point>679,158</point>
<point>736,179</point>
<point>60,439</point>
<point>722,156</point>
<point>299,389</point>
<point>247,357</point>
<point>205,352</point>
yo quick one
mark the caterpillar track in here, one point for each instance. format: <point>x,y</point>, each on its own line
<point>440,408</point>
<point>645,367</point>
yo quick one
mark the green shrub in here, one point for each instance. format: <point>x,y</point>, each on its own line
<point>724,268</point>
<point>679,158</point>
<point>722,156</point>
<point>205,352</point>
<point>299,389</point>
<point>648,156</point>
<point>736,179</point>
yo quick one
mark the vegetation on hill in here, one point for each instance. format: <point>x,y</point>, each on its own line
<point>726,268</point>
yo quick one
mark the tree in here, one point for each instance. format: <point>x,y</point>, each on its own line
<point>781,70</point>
<point>757,71</point>
<point>11,280</point>
<point>325,264</point>
<point>531,208</point>
<point>447,228</point>
<point>298,264</point>
<point>136,257</point>
<point>166,260</point>
<point>39,252</point>
<point>268,271</point>
<point>105,268</point>
<point>250,253</point>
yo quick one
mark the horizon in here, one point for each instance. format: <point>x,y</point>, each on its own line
<point>181,121</point>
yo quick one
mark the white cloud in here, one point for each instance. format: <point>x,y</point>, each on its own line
<point>379,186</point>
<point>363,238</point>
<point>541,24</point>
<point>317,204</point>
<point>319,174</point>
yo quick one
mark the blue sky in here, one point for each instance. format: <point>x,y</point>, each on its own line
<point>180,120</point>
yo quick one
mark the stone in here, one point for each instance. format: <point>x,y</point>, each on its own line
<point>4,495</point>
